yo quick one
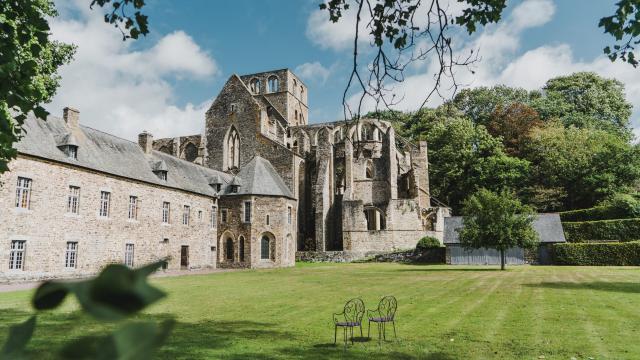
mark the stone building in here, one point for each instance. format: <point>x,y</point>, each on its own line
<point>358,187</point>
<point>259,186</point>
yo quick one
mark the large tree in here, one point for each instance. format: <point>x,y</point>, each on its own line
<point>586,100</point>
<point>480,103</point>
<point>29,62</point>
<point>585,165</point>
<point>497,221</point>
<point>464,157</point>
<point>513,123</point>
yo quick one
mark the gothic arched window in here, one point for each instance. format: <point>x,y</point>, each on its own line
<point>190,152</point>
<point>233,149</point>
<point>229,249</point>
<point>254,85</point>
<point>272,84</point>
<point>264,248</point>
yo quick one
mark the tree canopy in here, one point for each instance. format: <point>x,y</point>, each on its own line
<point>497,220</point>
<point>29,62</point>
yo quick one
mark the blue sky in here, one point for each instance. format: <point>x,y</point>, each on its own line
<point>164,82</point>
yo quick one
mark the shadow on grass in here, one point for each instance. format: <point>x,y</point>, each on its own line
<point>437,268</point>
<point>623,287</point>
<point>206,339</point>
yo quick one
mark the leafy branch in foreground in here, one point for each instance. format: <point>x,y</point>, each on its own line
<point>115,294</point>
<point>130,25</point>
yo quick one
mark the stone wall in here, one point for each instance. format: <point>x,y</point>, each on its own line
<point>281,234</point>
<point>47,227</point>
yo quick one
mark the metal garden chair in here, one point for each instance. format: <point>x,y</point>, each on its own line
<point>348,319</point>
<point>385,313</point>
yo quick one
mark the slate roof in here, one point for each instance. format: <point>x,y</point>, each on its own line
<point>548,227</point>
<point>106,153</point>
<point>258,177</point>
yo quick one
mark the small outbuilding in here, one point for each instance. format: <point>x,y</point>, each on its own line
<point>548,227</point>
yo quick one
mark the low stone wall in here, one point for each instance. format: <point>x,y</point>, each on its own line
<point>431,256</point>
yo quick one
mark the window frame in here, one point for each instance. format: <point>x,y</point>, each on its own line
<point>23,192</point>
<point>289,215</point>
<point>73,200</point>
<point>186,214</point>
<point>262,248</point>
<point>247,219</point>
<point>213,221</point>
<point>133,208</point>
<point>17,254</point>
<point>166,212</point>
<point>105,204</point>
<point>224,216</point>
<point>71,255</point>
<point>129,254</point>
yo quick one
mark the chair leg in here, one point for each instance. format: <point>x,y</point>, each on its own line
<point>394,329</point>
<point>369,330</point>
<point>335,335</point>
<point>361,334</point>
<point>352,335</point>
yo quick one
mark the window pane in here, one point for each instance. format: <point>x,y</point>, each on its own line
<point>264,248</point>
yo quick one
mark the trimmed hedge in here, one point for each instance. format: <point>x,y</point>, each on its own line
<point>620,206</point>
<point>623,230</point>
<point>594,213</point>
<point>428,242</point>
<point>598,254</point>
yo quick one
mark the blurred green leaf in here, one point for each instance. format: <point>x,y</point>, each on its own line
<point>19,336</point>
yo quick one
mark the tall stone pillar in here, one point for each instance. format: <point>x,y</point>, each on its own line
<point>323,189</point>
<point>420,162</point>
<point>389,153</point>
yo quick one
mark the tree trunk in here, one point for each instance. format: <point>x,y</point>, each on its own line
<point>501,259</point>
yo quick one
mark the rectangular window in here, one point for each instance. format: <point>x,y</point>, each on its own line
<point>128,255</point>
<point>166,212</point>
<point>133,207</point>
<point>23,193</point>
<point>247,211</point>
<point>214,216</point>
<point>105,198</point>
<point>289,215</point>
<point>73,202</point>
<point>71,256</point>
<point>199,215</point>
<point>268,220</point>
<point>185,215</point>
<point>16,256</point>
<point>224,215</point>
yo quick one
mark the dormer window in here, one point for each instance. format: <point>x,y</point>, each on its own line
<point>234,189</point>
<point>71,151</point>
<point>162,175</point>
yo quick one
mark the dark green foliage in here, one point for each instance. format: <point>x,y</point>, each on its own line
<point>497,221</point>
<point>464,158</point>
<point>131,341</point>
<point>620,206</point>
<point>19,336</point>
<point>585,165</point>
<point>116,293</point>
<point>29,61</point>
<point>624,23</point>
<point>597,254</point>
<point>478,104</point>
<point>623,230</point>
<point>428,242</point>
<point>586,100</point>
<point>134,25</point>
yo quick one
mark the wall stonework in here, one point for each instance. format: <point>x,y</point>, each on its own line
<point>353,188</point>
<point>47,227</point>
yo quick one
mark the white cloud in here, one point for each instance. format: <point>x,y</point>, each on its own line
<point>313,71</point>
<point>335,36</point>
<point>124,91</point>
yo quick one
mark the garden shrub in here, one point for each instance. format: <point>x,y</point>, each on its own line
<point>428,242</point>
<point>599,254</point>
<point>623,230</point>
<point>620,206</point>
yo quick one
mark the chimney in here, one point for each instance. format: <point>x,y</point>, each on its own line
<point>71,117</point>
<point>145,140</point>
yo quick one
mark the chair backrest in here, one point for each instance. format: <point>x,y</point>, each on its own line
<point>387,307</point>
<point>354,310</point>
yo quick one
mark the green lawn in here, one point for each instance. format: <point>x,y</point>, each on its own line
<point>444,312</point>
